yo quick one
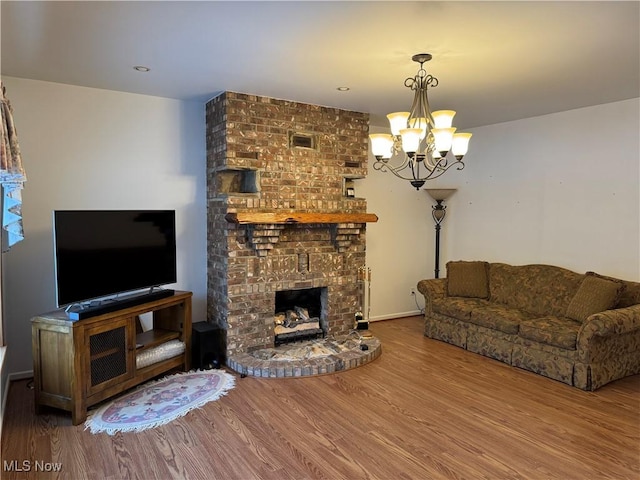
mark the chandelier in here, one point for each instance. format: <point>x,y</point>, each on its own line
<point>422,138</point>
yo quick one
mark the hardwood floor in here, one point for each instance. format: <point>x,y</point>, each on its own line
<point>423,410</point>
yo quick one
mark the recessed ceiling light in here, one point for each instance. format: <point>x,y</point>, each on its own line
<point>343,89</point>
<point>141,68</point>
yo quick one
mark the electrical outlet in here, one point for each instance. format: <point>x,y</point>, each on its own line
<point>413,291</point>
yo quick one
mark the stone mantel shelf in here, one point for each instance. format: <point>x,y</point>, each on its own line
<point>292,218</point>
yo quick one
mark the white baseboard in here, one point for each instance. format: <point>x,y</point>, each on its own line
<point>395,315</point>
<point>20,376</point>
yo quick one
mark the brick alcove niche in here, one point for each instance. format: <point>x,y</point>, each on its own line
<point>279,217</point>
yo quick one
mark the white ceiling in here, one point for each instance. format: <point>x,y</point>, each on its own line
<point>496,61</point>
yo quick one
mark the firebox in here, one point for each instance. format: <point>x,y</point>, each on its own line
<point>300,314</point>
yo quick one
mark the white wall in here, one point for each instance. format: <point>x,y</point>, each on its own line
<point>87,148</point>
<point>400,245</point>
<point>560,189</point>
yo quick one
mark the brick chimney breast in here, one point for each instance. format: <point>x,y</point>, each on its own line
<point>274,156</point>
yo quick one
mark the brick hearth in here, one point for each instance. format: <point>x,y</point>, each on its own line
<point>274,156</point>
<point>248,364</point>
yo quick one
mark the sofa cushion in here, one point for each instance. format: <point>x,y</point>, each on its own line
<point>556,331</point>
<point>596,294</point>
<point>630,294</point>
<point>468,279</point>
<point>538,289</point>
<point>499,317</point>
<point>457,307</point>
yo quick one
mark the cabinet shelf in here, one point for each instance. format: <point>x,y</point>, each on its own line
<point>106,353</point>
<point>153,338</point>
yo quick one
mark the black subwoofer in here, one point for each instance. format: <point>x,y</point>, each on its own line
<point>208,346</point>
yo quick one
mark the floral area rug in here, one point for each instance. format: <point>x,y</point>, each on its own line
<point>158,403</point>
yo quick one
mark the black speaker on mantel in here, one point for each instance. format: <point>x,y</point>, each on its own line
<point>208,346</point>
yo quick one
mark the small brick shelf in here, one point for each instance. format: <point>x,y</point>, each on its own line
<point>245,363</point>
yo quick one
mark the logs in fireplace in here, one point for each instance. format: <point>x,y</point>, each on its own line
<point>300,315</point>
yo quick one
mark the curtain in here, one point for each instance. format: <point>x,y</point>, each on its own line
<point>12,176</point>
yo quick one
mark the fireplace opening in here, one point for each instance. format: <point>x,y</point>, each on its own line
<point>300,315</point>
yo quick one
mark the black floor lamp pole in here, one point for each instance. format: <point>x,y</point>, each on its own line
<point>437,270</point>
<point>438,213</point>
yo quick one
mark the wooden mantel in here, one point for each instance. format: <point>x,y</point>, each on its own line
<point>286,218</point>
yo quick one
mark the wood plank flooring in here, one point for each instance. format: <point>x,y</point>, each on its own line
<point>423,410</point>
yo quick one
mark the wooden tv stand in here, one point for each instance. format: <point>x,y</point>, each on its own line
<point>77,364</point>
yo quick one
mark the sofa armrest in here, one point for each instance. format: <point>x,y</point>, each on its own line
<point>432,288</point>
<point>608,323</point>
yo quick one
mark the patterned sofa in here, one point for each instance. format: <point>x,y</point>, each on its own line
<point>580,329</point>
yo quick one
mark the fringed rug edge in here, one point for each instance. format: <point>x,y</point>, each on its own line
<point>229,383</point>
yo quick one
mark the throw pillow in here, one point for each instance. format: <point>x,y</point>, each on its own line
<point>595,294</point>
<point>468,279</point>
<point>630,293</point>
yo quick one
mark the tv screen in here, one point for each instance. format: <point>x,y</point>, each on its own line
<point>105,252</point>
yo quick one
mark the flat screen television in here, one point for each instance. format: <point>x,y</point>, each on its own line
<point>99,253</point>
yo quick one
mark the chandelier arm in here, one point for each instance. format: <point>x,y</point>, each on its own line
<point>442,165</point>
<point>383,166</point>
<point>420,109</point>
<point>428,162</point>
<point>402,166</point>
<point>436,172</point>
<point>412,110</point>
<point>415,172</point>
<point>411,82</point>
<point>397,171</point>
<point>427,110</point>
<point>439,169</point>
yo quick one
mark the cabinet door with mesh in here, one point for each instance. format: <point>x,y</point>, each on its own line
<point>109,346</point>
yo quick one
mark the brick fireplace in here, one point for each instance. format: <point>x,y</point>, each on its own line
<point>283,212</point>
